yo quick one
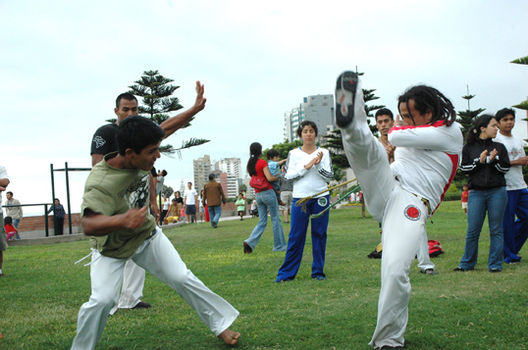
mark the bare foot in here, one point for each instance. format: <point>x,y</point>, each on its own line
<point>229,337</point>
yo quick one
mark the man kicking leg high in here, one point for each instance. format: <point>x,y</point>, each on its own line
<point>404,194</point>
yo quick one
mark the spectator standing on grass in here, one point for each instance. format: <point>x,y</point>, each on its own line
<point>241,206</point>
<point>59,217</point>
<point>4,181</point>
<point>286,194</point>
<point>266,200</point>
<point>486,162</point>
<point>213,197</point>
<point>515,231</point>
<point>464,198</point>
<point>190,200</point>
<point>201,207</point>
<point>310,168</point>
<point>14,212</point>
<point>164,210</point>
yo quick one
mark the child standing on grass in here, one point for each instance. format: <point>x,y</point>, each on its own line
<point>464,198</point>
<point>274,166</point>
<point>241,206</point>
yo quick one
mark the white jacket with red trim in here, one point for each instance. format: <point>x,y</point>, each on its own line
<point>426,158</point>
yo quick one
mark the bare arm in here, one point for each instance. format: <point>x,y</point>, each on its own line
<point>268,175</point>
<point>94,224</point>
<point>520,161</point>
<point>172,124</point>
<point>153,204</point>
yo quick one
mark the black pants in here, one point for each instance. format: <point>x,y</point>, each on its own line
<point>59,226</point>
<point>162,216</point>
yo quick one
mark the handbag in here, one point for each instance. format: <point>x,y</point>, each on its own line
<point>259,182</point>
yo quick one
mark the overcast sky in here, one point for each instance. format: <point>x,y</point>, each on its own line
<point>63,63</point>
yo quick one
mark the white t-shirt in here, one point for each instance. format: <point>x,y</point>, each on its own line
<point>190,196</point>
<point>514,177</point>
<point>3,175</point>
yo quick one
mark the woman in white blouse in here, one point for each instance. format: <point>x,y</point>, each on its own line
<point>310,168</point>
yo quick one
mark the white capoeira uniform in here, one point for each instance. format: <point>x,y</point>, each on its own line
<point>426,159</point>
<point>158,256</point>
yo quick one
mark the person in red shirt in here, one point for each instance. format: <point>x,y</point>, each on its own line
<point>464,198</point>
<point>266,200</point>
<point>10,230</point>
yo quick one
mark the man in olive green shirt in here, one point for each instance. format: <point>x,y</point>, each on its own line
<point>114,210</point>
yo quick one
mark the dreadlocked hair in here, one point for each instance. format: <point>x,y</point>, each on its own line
<point>255,150</point>
<point>428,99</point>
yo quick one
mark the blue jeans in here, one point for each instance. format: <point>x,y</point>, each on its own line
<point>215,211</point>
<point>494,202</point>
<point>299,226</point>
<point>267,200</point>
<point>515,231</point>
<point>15,224</point>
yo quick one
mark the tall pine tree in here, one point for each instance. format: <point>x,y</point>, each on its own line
<point>156,92</point>
<point>466,118</point>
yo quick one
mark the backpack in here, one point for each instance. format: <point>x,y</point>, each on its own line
<point>435,248</point>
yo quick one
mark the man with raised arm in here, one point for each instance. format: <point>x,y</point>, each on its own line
<point>104,142</point>
<point>115,208</point>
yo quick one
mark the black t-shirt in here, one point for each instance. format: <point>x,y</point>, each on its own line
<point>104,140</point>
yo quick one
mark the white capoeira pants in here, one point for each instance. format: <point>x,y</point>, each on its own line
<point>132,289</point>
<point>158,256</point>
<point>403,216</point>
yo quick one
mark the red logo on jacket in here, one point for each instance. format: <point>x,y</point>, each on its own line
<point>412,213</point>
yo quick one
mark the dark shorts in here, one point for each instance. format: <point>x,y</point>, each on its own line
<point>190,209</point>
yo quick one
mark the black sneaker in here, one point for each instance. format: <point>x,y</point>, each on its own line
<point>141,305</point>
<point>345,95</point>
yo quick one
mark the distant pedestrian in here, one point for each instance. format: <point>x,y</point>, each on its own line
<point>241,206</point>
<point>59,217</point>
<point>286,194</point>
<point>14,212</point>
<point>464,198</point>
<point>213,197</point>
<point>4,181</point>
<point>190,199</point>
<point>201,207</point>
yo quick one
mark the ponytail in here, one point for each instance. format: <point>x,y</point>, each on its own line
<point>255,150</point>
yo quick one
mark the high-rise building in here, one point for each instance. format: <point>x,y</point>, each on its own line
<point>227,172</point>
<point>232,167</point>
<point>202,169</point>
<point>317,108</point>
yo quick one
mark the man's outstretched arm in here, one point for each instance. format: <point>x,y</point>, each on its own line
<point>172,124</point>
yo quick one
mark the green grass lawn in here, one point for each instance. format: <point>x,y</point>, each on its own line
<point>43,290</point>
